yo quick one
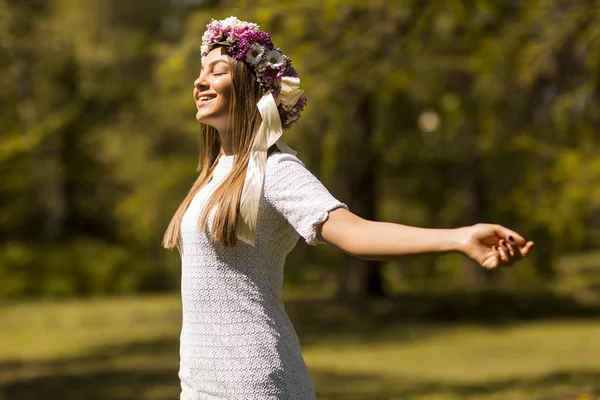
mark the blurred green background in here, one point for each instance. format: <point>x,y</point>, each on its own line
<point>428,113</point>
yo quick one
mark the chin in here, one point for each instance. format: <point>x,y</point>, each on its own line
<point>205,121</point>
<point>202,119</point>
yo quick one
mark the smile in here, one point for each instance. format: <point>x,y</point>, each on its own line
<point>202,100</point>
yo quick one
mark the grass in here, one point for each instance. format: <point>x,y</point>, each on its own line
<point>409,347</point>
<point>538,360</point>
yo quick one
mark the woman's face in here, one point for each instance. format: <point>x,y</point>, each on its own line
<point>212,90</point>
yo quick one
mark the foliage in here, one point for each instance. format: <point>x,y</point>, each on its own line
<point>459,111</point>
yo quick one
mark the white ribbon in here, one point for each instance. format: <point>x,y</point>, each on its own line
<point>290,90</point>
<point>269,133</point>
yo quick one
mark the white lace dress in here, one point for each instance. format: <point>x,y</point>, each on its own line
<point>236,340</point>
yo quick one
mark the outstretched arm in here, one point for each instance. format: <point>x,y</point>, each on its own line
<point>488,244</point>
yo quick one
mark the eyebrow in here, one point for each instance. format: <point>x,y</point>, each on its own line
<point>213,63</point>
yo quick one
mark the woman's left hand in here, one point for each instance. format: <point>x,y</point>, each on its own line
<point>493,245</point>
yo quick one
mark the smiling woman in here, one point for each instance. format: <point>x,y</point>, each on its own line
<point>253,199</point>
<point>212,90</point>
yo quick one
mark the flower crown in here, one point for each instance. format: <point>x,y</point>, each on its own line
<point>243,41</point>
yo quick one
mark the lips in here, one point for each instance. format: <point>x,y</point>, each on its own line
<point>205,98</point>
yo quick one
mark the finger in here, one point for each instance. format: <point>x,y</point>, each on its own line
<point>513,250</point>
<point>508,234</point>
<point>526,249</point>
<point>507,247</point>
<point>505,256</point>
<point>511,239</point>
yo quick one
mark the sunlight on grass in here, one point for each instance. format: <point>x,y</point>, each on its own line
<point>467,359</point>
<point>469,353</point>
<point>44,330</point>
<point>128,349</point>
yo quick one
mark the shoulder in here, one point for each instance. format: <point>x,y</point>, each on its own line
<point>285,173</point>
<point>278,158</point>
<point>280,164</point>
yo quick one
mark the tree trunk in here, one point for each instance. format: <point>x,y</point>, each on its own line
<point>356,183</point>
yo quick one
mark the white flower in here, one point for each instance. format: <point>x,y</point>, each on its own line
<point>254,56</point>
<point>275,58</point>
<point>231,21</point>
<point>204,49</point>
<point>234,22</point>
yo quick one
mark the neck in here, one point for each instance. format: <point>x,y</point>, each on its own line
<point>226,146</point>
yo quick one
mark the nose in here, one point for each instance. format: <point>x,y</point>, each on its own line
<point>200,84</point>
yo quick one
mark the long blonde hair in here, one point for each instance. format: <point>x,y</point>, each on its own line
<point>244,120</point>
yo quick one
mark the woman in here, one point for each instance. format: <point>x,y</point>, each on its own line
<point>252,200</point>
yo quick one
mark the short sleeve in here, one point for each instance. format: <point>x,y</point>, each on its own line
<point>292,190</point>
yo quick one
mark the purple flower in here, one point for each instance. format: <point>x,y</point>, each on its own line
<point>262,38</point>
<point>291,71</point>
<point>289,117</point>
<point>272,75</point>
<point>241,48</point>
<point>216,35</point>
<point>239,32</point>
